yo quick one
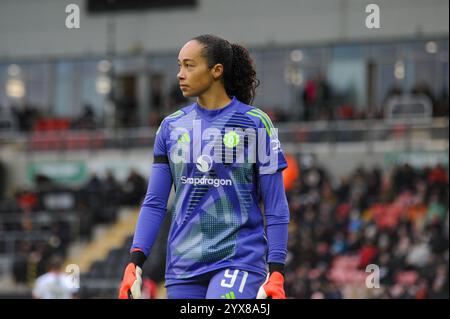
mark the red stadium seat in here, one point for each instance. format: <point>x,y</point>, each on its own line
<point>52,124</point>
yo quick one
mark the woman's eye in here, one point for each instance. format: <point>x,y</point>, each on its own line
<point>186,65</point>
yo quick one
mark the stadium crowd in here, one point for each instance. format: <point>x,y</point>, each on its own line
<point>39,222</point>
<point>395,219</point>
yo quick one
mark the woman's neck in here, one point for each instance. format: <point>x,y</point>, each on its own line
<point>213,100</point>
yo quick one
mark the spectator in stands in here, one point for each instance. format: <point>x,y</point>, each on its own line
<point>112,188</point>
<point>442,104</point>
<point>3,182</point>
<point>30,261</point>
<point>40,255</point>
<point>436,211</point>
<point>309,98</point>
<point>21,262</point>
<point>26,116</point>
<point>134,189</point>
<point>43,182</point>
<point>94,199</point>
<point>60,238</point>
<point>333,292</point>
<point>157,99</point>
<point>438,180</point>
<point>86,120</point>
<point>404,179</point>
<point>324,98</point>
<point>27,200</point>
<point>7,120</point>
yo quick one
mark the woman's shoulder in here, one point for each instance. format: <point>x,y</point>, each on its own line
<point>260,118</point>
<point>176,115</point>
<point>250,109</point>
<point>255,113</point>
<point>179,113</point>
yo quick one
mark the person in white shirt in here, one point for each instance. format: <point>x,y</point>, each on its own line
<point>55,284</point>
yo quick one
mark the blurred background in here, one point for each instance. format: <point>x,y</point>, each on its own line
<point>362,115</point>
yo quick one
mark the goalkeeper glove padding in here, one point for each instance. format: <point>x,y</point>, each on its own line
<point>132,278</point>
<point>273,287</point>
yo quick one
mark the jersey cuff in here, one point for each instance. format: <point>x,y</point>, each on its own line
<point>137,257</point>
<point>276,267</point>
<point>161,159</point>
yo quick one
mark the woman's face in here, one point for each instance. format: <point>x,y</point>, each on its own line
<point>194,76</point>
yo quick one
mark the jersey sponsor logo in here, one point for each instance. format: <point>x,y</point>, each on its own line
<point>204,163</point>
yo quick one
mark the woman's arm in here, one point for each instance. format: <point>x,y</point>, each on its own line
<point>277,218</point>
<point>153,208</point>
<point>152,214</point>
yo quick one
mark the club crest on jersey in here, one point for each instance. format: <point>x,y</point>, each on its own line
<point>204,163</point>
<point>231,139</point>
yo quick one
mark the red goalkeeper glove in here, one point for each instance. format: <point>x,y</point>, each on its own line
<point>132,277</point>
<point>273,287</point>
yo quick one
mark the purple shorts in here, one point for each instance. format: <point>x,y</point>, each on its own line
<point>228,283</point>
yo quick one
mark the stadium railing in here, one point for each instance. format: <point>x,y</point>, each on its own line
<point>402,132</point>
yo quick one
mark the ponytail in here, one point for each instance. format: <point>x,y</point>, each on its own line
<point>242,82</point>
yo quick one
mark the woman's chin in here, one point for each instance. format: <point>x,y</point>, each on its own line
<point>186,94</point>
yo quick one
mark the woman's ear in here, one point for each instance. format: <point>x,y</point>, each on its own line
<point>217,71</point>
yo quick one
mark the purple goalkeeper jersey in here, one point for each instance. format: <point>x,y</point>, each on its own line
<point>218,161</point>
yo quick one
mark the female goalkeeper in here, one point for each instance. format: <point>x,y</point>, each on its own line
<point>224,159</point>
